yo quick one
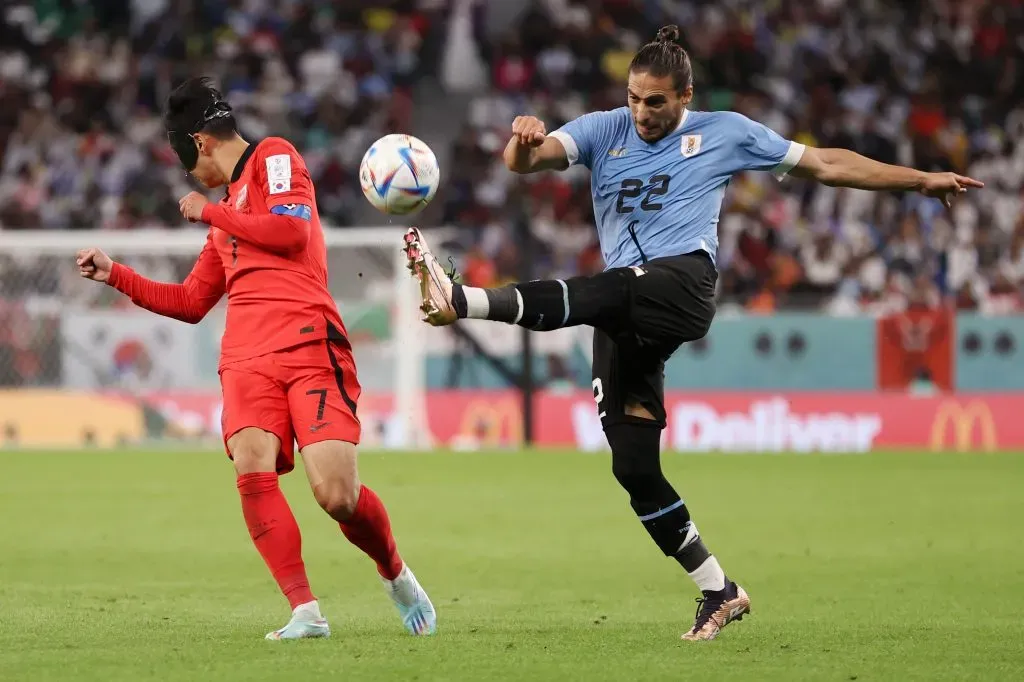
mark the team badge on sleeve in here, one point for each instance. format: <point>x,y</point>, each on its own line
<point>690,145</point>
<point>279,173</point>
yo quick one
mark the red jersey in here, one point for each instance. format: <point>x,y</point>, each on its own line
<point>272,266</point>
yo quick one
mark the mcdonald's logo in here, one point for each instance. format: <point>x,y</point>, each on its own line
<point>492,424</point>
<point>959,420</point>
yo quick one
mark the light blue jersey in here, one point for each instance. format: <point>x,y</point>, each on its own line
<point>664,199</point>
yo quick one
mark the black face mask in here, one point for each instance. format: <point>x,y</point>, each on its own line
<point>182,141</point>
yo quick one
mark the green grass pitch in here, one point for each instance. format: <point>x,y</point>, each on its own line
<point>891,566</point>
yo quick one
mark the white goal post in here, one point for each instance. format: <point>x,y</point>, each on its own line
<point>398,357</point>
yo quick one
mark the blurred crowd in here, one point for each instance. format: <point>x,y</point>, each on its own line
<point>934,84</point>
<point>82,145</point>
<point>931,83</point>
<point>84,83</point>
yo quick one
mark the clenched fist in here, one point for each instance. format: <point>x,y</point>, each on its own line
<point>191,206</point>
<point>94,264</point>
<point>529,130</point>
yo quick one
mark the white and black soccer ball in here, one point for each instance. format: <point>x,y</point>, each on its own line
<point>399,174</point>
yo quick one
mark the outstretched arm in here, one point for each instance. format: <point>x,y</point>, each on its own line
<point>188,301</point>
<point>760,148</point>
<point>844,168</point>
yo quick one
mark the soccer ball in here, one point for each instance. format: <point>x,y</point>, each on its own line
<point>399,174</point>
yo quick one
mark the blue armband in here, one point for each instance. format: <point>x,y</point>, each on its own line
<point>293,210</point>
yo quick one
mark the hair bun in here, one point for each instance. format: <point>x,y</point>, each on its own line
<point>668,34</point>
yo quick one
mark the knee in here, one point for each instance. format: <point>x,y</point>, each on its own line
<point>636,456</point>
<point>253,451</point>
<point>338,498</point>
<point>625,474</point>
<point>636,478</point>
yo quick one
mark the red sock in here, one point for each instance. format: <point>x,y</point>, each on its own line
<point>275,533</point>
<point>369,529</point>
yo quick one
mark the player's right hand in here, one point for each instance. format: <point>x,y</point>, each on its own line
<point>529,131</point>
<point>947,186</point>
<point>94,264</point>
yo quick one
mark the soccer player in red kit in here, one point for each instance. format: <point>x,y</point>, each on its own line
<point>286,366</point>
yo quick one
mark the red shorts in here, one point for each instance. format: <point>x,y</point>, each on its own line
<point>306,393</point>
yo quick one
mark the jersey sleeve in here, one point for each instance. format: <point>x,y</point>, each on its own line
<point>585,136</point>
<point>282,179</point>
<point>189,301</point>
<point>282,176</point>
<point>284,232</point>
<point>761,148</point>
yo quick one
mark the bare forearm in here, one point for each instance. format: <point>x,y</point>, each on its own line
<point>518,156</point>
<point>525,158</point>
<point>844,168</point>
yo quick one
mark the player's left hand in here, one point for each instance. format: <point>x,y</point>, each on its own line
<point>191,206</point>
<point>946,186</point>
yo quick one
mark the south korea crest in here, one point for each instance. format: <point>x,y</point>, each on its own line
<point>690,145</point>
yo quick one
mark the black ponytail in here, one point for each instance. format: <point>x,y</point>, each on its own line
<point>664,56</point>
<point>668,34</point>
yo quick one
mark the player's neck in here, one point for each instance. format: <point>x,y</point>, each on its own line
<point>228,154</point>
<point>672,127</point>
<point>678,123</point>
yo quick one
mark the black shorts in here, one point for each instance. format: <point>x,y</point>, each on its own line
<point>670,301</point>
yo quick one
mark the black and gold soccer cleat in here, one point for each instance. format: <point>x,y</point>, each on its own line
<point>715,610</point>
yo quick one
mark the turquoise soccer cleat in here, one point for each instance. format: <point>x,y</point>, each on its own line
<point>413,604</point>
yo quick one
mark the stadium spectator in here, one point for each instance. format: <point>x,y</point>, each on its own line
<point>928,84</point>
<point>84,84</point>
<point>931,84</point>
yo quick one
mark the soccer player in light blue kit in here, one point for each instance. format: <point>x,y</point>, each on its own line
<point>659,173</point>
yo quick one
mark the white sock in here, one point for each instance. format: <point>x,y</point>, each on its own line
<point>310,608</point>
<point>477,305</point>
<point>709,576</point>
<point>404,589</point>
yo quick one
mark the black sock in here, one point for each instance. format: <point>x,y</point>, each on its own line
<point>666,522</point>
<point>459,301</point>
<point>544,305</point>
<point>502,303</point>
<point>693,555</point>
<point>553,304</point>
<point>534,305</point>
<point>636,465</point>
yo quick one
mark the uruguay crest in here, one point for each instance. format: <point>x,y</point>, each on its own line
<point>690,145</point>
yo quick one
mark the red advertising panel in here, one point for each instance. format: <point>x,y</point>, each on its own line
<point>736,422</point>
<point>724,422</point>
